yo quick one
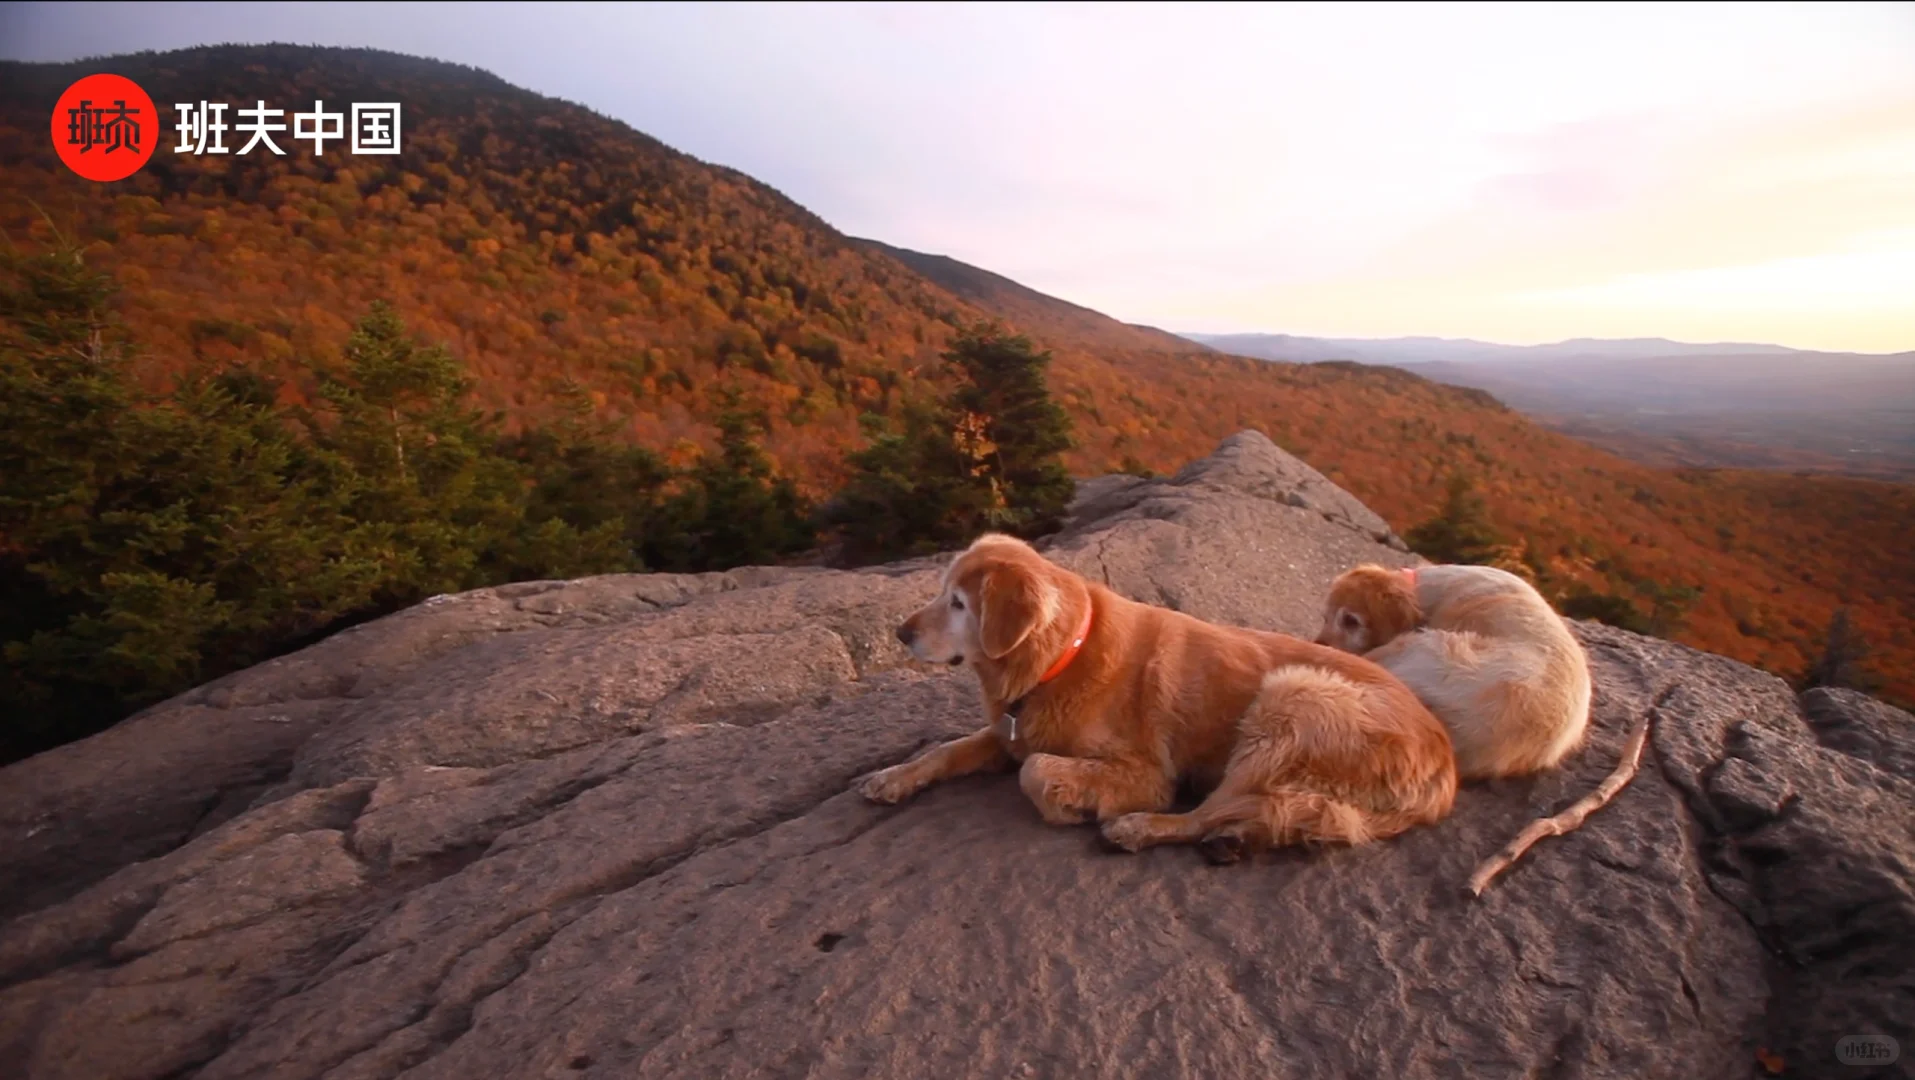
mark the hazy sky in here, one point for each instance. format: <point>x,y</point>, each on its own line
<point>1521,174</point>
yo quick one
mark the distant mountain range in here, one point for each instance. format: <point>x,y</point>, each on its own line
<point>1422,350</point>
<point>1666,402</point>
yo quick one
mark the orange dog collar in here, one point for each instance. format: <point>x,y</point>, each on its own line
<point>1076,646</point>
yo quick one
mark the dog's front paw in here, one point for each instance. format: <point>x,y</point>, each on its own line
<point>889,786</point>
<point>1048,782</point>
<point>1224,847</point>
<point>1130,833</point>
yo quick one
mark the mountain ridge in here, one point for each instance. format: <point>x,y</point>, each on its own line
<point>1002,295</point>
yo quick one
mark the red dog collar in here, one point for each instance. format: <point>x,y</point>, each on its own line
<point>1076,646</point>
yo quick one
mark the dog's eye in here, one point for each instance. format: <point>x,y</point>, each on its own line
<point>1350,621</point>
<point>957,603</point>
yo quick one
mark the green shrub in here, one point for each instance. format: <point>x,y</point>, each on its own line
<point>151,541</point>
<point>989,456</point>
<point>1461,531</point>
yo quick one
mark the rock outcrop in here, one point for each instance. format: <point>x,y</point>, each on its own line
<point>604,828</point>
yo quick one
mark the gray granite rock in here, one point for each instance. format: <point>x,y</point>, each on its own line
<point>603,828</point>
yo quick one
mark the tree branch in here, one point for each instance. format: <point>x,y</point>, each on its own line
<point>1571,819</point>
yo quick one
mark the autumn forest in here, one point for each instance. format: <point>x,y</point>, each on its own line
<point>567,262</point>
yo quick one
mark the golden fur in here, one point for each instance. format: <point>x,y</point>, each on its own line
<point>1480,647</point>
<point>1293,741</point>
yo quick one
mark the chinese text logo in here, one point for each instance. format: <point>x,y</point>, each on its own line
<point>202,127</point>
<point>1867,1050</point>
<point>104,127</point>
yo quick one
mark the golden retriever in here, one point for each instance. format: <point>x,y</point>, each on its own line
<point>1108,704</point>
<point>1482,648</point>
<point>1490,657</point>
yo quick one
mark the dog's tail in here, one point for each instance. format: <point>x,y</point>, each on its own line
<point>1571,819</point>
<point>1234,826</point>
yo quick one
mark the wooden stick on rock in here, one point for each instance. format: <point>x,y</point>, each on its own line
<point>1569,820</point>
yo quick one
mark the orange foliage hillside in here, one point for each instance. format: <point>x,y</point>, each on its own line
<point>554,249</point>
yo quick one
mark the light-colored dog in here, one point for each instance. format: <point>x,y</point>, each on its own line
<point>1482,648</point>
<point>1487,654</point>
<point>1107,704</point>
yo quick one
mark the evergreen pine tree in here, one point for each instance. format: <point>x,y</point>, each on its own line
<point>1461,531</point>
<point>732,509</point>
<point>1843,651</point>
<point>594,501</point>
<point>149,542</point>
<point>1604,607</point>
<point>911,491</point>
<point>448,507</point>
<point>989,457</point>
<point>144,543</point>
<point>1008,422</point>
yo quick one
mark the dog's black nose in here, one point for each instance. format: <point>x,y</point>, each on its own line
<point>905,633</point>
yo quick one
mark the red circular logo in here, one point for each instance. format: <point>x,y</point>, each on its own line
<point>105,127</point>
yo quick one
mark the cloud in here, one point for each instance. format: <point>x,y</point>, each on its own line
<point>1796,223</point>
<point>1847,283</point>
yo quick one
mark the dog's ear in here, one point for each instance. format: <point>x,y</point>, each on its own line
<point>1011,606</point>
<point>1387,601</point>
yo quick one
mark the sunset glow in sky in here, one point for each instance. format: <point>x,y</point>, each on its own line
<point>1511,173</point>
